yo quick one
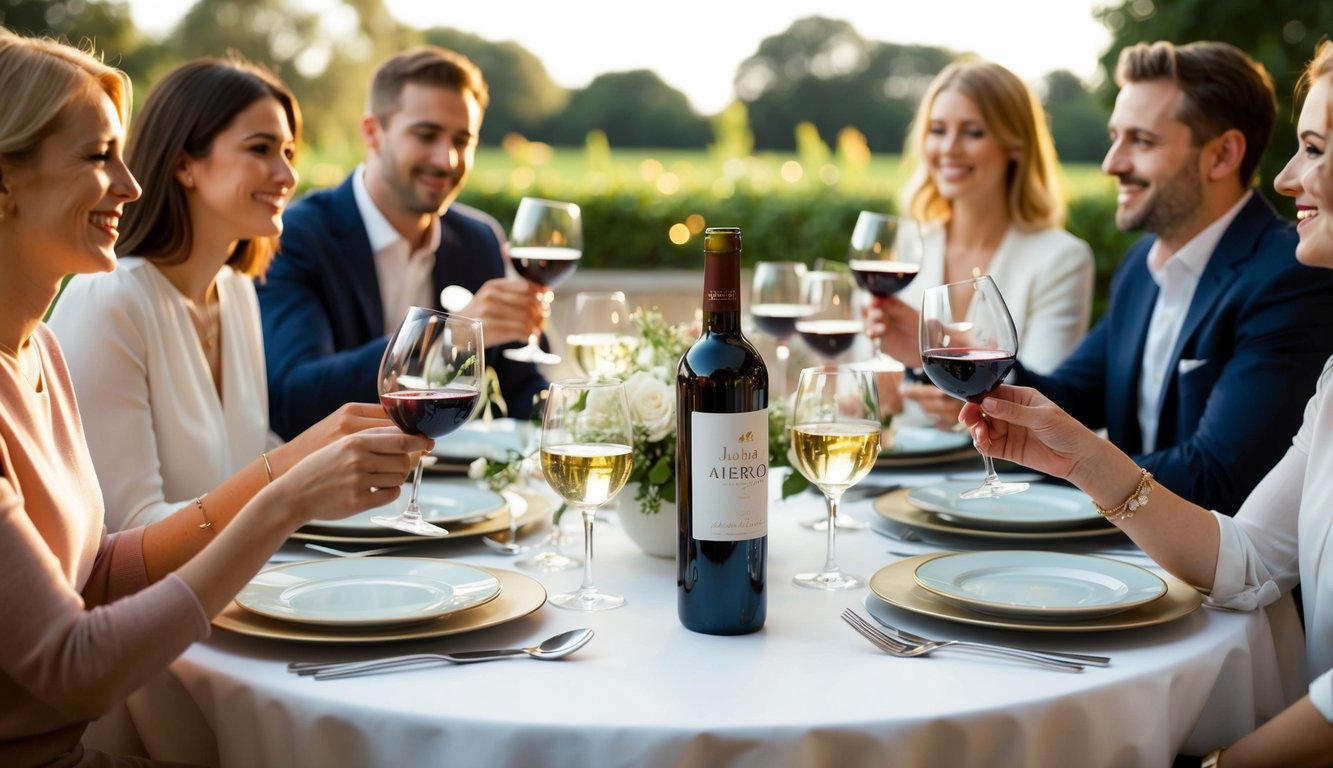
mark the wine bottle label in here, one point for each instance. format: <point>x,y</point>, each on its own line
<point>729,475</point>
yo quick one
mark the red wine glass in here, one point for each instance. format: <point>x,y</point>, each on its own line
<point>968,345</point>
<point>884,259</point>
<point>776,304</point>
<point>430,384</point>
<point>545,245</point>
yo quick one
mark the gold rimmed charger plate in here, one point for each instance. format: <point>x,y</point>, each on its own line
<point>896,585</point>
<point>519,596</point>
<point>529,509</point>
<point>895,507</point>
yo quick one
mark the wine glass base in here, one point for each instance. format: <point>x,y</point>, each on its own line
<point>845,523</point>
<point>829,581</point>
<point>993,490</point>
<point>532,355</point>
<point>550,562</point>
<point>587,600</point>
<point>408,525</point>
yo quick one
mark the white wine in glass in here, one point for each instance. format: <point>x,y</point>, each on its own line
<point>601,338</point>
<point>545,245</point>
<point>835,438</point>
<point>587,452</point>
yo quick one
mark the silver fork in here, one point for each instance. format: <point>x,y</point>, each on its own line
<point>910,638</point>
<point>896,647</point>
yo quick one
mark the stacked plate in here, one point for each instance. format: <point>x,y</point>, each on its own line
<point>456,504</point>
<point>380,599</point>
<point>497,439</point>
<point>1034,591</point>
<point>916,445</point>
<point>1041,513</point>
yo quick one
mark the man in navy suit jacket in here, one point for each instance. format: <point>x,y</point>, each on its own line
<point>352,259</point>
<point>1215,334</point>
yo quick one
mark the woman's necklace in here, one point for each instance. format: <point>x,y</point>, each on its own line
<point>206,326</point>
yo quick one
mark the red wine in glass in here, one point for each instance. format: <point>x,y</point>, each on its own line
<point>829,338</point>
<point>883,278</point>
<point>544,265</point>
<point>967,374</point>
<point>778,320</point>
<point>430,412</point>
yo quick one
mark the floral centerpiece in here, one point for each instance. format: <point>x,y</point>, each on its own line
<point>650,384</point>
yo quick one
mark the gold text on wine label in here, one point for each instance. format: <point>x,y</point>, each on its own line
<point>744,472</point>
<point>739,454</point>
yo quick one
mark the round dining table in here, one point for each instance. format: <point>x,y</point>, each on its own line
<point>804,691</point>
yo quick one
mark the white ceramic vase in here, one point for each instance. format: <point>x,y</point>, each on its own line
<point>655,534</point>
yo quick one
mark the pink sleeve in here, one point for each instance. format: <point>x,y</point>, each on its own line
<point>77,656</point>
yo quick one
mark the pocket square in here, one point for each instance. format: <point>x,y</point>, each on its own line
<point>1185,366</point>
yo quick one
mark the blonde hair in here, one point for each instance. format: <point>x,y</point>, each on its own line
<point>42,79</point>
<point>1011,112</point>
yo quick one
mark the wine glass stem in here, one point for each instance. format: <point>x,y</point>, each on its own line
<point>589,516</point>
<point>413,512</point>
<point>830,555</point>
<point>991,477</point>
<point>783,353</point>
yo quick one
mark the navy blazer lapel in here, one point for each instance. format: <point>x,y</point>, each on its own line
<point>1237,245</point>
<point>352,242</point>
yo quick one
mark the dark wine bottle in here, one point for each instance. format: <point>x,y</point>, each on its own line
<point>722,459</point>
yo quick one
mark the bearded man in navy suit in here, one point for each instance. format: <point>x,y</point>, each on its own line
<point>354,258</point>
<point>1215,335</point>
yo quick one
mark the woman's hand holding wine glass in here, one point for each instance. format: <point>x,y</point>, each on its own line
<point>968,346</point>
<point>587,452</point>
<point>430,383</point>
<point>545,245</point>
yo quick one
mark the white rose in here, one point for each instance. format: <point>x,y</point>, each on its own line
<point>477,469</point>
<point>652,405</point>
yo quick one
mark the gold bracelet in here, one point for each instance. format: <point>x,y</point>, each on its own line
<point>268,470</point>
<point>1213,759</point>
<point>199,502</point>
<point>1133,503</point>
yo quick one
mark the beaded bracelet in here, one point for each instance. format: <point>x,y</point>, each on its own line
<point>199,502</point>
<point>1133,503</point>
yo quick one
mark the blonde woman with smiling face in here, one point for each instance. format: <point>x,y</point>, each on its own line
<point>91,617</point>
<point>166,352</point>
<point>985,193</point>
<point>1283,533</point>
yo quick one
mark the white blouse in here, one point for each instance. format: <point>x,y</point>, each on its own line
<point>1046,278</point>
<point>158,432</point>
<point>1284,532</point>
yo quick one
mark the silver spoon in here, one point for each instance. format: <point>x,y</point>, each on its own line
<point>556,647</point>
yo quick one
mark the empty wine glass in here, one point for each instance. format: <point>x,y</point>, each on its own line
<point>429,383</point>
<point>775,306</point>
<point>587,451</point>
<point>830,322</point>
<point>545,245</point>
<point>884,260</point>
<point>835,435</point>
<point>601,338</point>
<point>968,345</point>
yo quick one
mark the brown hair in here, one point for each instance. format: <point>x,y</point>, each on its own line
<point>425,65</point>
<point>1012,112</point>
<point>42,79</point>
<point>183,114</point>
<point>1223,89</point>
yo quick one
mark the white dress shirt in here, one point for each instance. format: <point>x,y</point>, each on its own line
<point>158,433</point>
<point>1176,281</point>
<point>404,274</point>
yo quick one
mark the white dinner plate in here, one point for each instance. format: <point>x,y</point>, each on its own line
<point>442,501</point>
<point>1039,585</point>
<point>894,511</point>
<point>367,591</point>
<point>477,439</point>
<point>1039,508</point>
<point>894,585</point>
<point>915,445</point>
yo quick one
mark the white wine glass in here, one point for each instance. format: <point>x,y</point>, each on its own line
<point>835,434</point>
<point>884,259</point>
<point>602,339</point>
<point>968,346</point>
<point>547,556</point>
<point>587,452</point>
<point>775,305</point>
<point>545,245</point>
<point>430,384</point>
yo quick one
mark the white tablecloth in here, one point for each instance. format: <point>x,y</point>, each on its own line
<point>805,691</point>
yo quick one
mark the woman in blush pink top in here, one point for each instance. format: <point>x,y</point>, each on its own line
<point>91,617</point>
